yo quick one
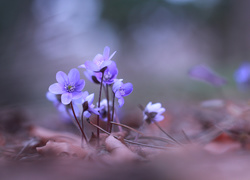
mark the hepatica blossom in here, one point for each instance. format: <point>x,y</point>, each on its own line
<point>205,74</point>
<point>242,75</point>
<point>87,104</point>
<point>99,62</point>
<point>153,112</point>
<point>69,86</point>
<point>109,74</point>
<point>122,90</point>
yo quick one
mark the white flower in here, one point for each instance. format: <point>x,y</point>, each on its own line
<point>152,112</point>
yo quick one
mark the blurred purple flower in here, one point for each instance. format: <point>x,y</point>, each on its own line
<point>109,74</point>
<point>242,75</point>
<point>87,104</point>
<point>99,62</point>
<point>65,111</point>
<point>121,90</point>
<point>153,112</point>
<point>70,86</point>
<point>204,73</point>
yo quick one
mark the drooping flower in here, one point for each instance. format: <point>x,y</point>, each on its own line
<point>242,75</point>
<point>87,104</point>
<point>100,61</point>
<point>109,74</point>
<point>65,111</point>
<point>205,74</point>
<point>121,90</point>
<point>152,112</point>
<point>69,86</point>
<point>104,109</point>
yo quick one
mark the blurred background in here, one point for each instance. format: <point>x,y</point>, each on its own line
<point>157,42</point>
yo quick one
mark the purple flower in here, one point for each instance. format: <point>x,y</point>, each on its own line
<point>242,75</point>
<point>121,90</point>
<point>87,104</point>
<point>109,74</point>
<point>70,86</point>
<point>99,62</point>
<point>65,111</point>
<point>204,73</point>
<point>153,112</point>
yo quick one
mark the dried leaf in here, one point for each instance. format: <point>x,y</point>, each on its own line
<point>62,149</point>
<point>46,135</point>
<point>119,151</point>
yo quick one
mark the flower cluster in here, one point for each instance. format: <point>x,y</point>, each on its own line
<point>69,89</point>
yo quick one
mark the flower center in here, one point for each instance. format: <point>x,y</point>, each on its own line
<point>99,63</point>
<point>70,88</point>
<point>107,76</point>
<point>122,91</point>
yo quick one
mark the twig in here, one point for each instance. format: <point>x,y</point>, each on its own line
<point>130,128</point>
<point>156,123</point>
<point>128,141</point>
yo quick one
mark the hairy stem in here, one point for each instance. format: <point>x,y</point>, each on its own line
<point>99,101</point>
<point>81,128</point>
<point>108,123</point>
<point>113,112</point>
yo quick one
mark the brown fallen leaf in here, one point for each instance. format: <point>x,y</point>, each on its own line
<point>223,143</point>
<point>119,152</point>
<point>62,149</point>
<point>46,135</point>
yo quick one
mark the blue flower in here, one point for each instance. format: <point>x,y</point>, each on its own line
<point>204,73</point>
<point>99,62</point>
<point>153,112</point>
<point>242,75</point>
<point>87,104</point>
<point>69,86</point>
<point>121,90</point>
<point>109,75</point>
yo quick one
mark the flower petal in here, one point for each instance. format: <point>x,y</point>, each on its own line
<point>91,66</point>
<point>128,87</point>
<point>161,110</point>
<point>105,64</point>
<point>90,98</point>
<point>80,85</point>
<point>121,101</point>
<point>159,118</point>
<point>116,86</point>
<point>110,57</point>
<point>61,77</point>
<point>74,75</point>
<point>76,95</point>
<point>66,98</point>
<point>106,53</point>
<point>86,114</point>
<point>56,88</point>
<point>98,60</point>
<point>118,94</point>
<point>155,107</point>
<point>51,97</point>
